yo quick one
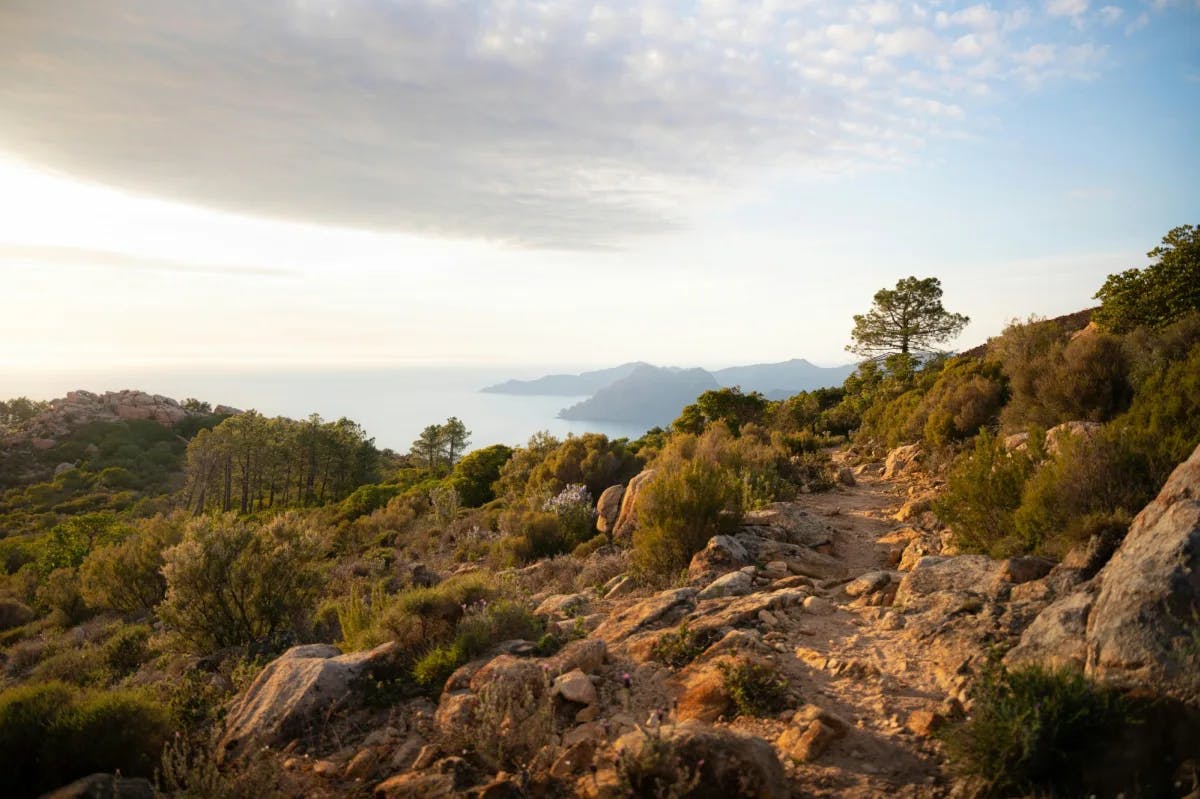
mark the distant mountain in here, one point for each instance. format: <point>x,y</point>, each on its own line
<point>566,385</point>
<point>781,380</point>
<point>650,395</point>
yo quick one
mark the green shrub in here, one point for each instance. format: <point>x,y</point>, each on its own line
<point>1033,730</point>
<point>656,769</point>
<point>481,626</point>
<point>1103,474</point>
<point>755,688</point>
<point>51,734</point>
<point>59,593</point>
<point>231,583</point>
<point>127,576</point>
<point>80,665</point>
<point>14,613</point>
<point>367,499</point>
<point>679,509</point>
<point>127,649</point>
<point>474,475</point>
<point>983,492</point>
<point>435,667</point>
<point>1159,293</point>
<point>681,646</point>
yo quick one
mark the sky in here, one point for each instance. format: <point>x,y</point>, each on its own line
<point>307,183</point>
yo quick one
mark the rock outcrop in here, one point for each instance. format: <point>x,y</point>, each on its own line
<point>303,681</point>
<point>627,518</point>
<point>1136,624</point>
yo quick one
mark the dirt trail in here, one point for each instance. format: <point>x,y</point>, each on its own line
<point>856,662</point>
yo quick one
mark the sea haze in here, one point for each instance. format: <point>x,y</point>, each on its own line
<point>392,404</point>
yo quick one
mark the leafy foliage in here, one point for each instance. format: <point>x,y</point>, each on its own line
<point>1157,294</point>
<point>755,688</point>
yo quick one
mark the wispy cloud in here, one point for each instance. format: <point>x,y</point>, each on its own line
<point>39,256</point>
<point>552,124</point>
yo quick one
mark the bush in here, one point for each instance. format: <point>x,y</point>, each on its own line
<point>14,613</point>
<point>79,665</point>
<point>51,734</point>
<point>59,593</point>
<point>230,583</point>
<point>1033,730</point>
<point>481,626</point>
<point>474,475</point>
<point>1161,292</point>
<point>755,688</point>
<point>127,649</point>
<point>1103,474</point>
<point>127,576</point>
<point>983,492</point>
<point>679,509</point>
<point>681,646</point>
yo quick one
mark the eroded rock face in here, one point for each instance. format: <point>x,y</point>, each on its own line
<point>303,681</point>
<point>659,610</point>
<point>788,523</point>
<point>736,583</point>
<point>1141,630</point>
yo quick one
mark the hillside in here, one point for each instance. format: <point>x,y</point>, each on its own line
<point>650,395</point>
<point>566,385</point>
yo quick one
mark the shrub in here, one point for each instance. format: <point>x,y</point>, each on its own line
<point>127,649</point>
<point>60,594</point>
<point>1103,474</point>
<point>51,733</point>
<point>474,475</point>
<point>79,665</point>
<point>14,613</point>
<point>1033,730</point>
<point>679,647</point>
<point>230,583</point>
<point>127,576</point>
<point>367,499</point>
<point>655,769</point>
<point>481,626</point>
<point>983,492</point>
<point>1159,293</point>
<point>679,510</point>
<point>755,688</point>
<point>188,772</point>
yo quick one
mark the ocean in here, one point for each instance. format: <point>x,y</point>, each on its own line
<point>392,404</point>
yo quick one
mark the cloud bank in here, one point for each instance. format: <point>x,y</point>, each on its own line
<point>550,124</point>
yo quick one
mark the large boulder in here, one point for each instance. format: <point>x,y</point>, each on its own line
<point>901,460</point>
<point>730,763</point>
<point>608,508</point>
<point>789,523</point>
<point>1143,629</point>
<point>627,518</point>
<point>301,683</point>
<point>722,554</point>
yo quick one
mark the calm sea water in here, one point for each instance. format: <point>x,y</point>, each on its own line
<point>393,404</point>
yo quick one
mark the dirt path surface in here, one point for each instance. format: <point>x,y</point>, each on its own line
<point>860,665</point>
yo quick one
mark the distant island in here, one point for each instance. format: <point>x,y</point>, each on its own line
<point>641,393</point>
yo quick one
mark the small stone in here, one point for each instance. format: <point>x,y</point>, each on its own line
<point>925,722</point>
<point>425,758</point>
<point>362,765</point>
<point>767,618</point>
<point>818,606</point>
<point>808,743</point>
<point>326,768</point>
<point>624,585</point>
<point>736,583</point>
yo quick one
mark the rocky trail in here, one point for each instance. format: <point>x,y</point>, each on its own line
<point>852,597</point>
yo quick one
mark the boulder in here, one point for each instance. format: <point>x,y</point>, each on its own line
<point>736,583</point>
<point>1025,569</point>
<point>805,743</point>
<point>303,682</point>
<point>563,605</point>
<point>575,686</point>
<point>723,553</point>
<point>1060,432</point>
<point>1141,628</point>
<point>665,607</point>
<point>901,460</point>
<point>608,508</point>
<point>627,518</point>
<point>586,654</point>
<point>970,574</point>
<point>869,583</point>
<point>730,763</point>
<point>845,476</point>
<point>789,523</point>
<point>619,586</point>
<point>700,691</point>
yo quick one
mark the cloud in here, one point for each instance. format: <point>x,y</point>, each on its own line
<point>553,124</point>
<point>1109,15</point>
<point>1067,8</point>
<point>50,256</point>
